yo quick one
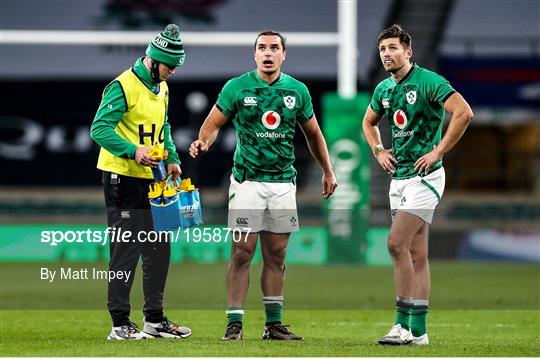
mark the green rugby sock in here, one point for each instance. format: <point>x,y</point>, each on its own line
<point>419,314</point>
<point>273,308</point>
<point>235,314</point>
<point>403,311</point>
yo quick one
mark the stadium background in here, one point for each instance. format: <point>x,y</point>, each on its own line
<point>485,240</point>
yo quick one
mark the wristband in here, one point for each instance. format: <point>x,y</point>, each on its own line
<point>377,149</point>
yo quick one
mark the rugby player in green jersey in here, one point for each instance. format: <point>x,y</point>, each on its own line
<point>265,105</point>
<point>414,100</point>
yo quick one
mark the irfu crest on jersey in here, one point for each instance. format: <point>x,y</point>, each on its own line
<point>289,101</point>
<point>411,97</point>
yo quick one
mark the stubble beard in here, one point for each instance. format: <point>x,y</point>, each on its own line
<point>396,70</point>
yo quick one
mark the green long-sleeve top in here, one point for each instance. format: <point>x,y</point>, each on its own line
<point>111,109</point>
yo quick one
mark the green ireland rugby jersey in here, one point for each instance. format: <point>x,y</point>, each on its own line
<point>414,107</point>
<point>265,117</point>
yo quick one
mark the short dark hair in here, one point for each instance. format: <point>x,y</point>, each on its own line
<point>271,33</point>
<point>395,31</point>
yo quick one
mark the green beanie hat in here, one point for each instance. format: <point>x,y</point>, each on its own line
<point>167,47</point>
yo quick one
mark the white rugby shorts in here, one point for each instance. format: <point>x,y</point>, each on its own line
<point>263,206</point>
<point>417,195</point>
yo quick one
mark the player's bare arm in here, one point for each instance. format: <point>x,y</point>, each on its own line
<point>370,127</point>
<point>319,151</point>
<point>208,132</point>
<point>461,117</point>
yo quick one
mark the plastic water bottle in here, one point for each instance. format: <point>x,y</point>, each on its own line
<point>159,172</point>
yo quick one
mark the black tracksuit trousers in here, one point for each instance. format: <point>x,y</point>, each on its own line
<point>128,209</point>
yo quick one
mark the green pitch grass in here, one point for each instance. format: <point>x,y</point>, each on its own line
<point>477,310</point>
<point>327,333</point>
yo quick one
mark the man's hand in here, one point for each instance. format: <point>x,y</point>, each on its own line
<point>143,158</point>
<point>424,163</point>
<point>174,169</point>
<point>197,148</point>
<point>387,161</point>
<point>329,184</point>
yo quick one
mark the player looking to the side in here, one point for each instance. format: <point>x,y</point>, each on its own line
<point>265,106</point>
<point>414,100</point>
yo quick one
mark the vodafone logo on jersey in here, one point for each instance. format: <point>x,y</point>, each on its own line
<point>271,120</point>
<point>400,119</point>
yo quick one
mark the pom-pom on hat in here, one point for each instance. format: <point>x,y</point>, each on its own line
<point>167,47</point>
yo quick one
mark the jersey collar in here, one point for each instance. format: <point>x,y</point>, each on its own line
<point>145,76</point>
<point>256,75</point>
<point>407,75</point>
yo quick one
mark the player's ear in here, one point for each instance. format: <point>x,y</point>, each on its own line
<point>284,54</point>
<point>409,52</point>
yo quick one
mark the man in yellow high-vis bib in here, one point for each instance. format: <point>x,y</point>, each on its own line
<point>131,119</point>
